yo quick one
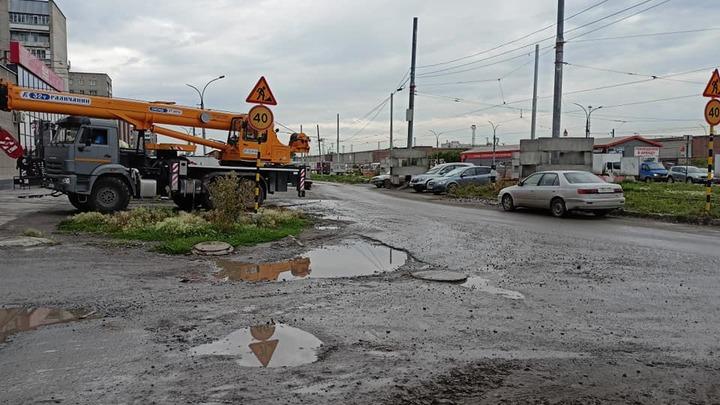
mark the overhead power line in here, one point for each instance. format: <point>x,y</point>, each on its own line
<point>655,34</point>
<point>514,40</point>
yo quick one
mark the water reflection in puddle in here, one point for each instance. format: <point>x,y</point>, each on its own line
<point>275,345</point>
<point>14,320</point>
<point>481,284</point>
<point>359,258</point>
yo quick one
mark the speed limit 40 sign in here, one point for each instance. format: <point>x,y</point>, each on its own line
<point>712,112</point>
<point>260,118</point>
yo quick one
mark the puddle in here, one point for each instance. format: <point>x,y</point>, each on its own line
<point>481,284</point>
<point>14,320</point>
<point>358,258</point>
<point>276,345</point>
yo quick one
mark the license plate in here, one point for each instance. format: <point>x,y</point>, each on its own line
<point>606,190</point>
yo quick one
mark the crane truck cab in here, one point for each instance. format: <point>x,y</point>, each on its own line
<point>84,159</point>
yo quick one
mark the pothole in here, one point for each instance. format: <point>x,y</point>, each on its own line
<point>274,345</point>
<point>352,259</point>
<point>483,285</point>
<point>14,320</point>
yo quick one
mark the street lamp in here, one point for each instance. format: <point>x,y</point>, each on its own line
<point>494,127</point>
<point>202,102</point>
<point>437,138</point>
<point>392,95</point>
<point>589,110</point>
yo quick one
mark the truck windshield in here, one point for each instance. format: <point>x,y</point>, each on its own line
<point>65,135</point>
<point>655,166</point>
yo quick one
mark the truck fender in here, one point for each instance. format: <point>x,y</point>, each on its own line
<point>114,170</point>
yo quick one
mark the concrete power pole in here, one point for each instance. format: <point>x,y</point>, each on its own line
<point>473,127</point>
<point>559,44</point>
<point>411,104</point>
<point>338,138</point>
<point>535,88</point>
<point>319,147</point>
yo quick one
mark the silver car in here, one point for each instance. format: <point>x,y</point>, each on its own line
<point>563,191</point>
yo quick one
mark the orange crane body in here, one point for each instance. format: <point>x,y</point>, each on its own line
<point>242,142</point>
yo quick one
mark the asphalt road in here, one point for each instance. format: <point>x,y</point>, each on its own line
<point>576,310</point>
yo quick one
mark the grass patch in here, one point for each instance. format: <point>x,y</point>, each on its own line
<point>341,178</point>
<point>680,201</point>
<point>484,192</point>
<point>33,233</point>
<point>177,232</point>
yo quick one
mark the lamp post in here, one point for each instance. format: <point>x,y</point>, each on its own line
<point>202,101</point>
<point>494,127</point>
<point>437,138</point>
<point>392,96</point>
<point>588,111</point>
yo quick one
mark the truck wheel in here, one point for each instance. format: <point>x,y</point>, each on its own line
<point>109,194</point>
<point>81,206</point>
<point>186,202</point>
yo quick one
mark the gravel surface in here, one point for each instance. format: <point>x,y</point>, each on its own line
<point>576,310</point>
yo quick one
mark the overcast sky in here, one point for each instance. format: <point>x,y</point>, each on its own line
<point>323,57</point>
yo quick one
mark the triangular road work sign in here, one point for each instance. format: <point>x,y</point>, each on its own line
<point>261,93</point>
<point>264,350</point>
<point>713,87</point>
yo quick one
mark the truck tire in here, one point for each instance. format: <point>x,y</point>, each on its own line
<point>109,194</point>
<point>81,206</point>
<point>186,202</point>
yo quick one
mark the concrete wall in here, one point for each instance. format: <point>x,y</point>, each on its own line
<point>8,167</point>
<point>4,28</point>
<point>673,150</point>
<point>555,154</point>
<point>58,43</point>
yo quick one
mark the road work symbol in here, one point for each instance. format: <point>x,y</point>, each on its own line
<point>261,93</point>
<point>712,112</point>
<point>713,87</point>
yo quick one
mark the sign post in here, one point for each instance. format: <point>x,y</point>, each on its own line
<point>712,116</point>
<point>261,119</point>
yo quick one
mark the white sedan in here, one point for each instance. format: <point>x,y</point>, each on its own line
<point>563,191</point>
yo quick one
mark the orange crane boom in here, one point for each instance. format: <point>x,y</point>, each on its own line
<point>242,142</point>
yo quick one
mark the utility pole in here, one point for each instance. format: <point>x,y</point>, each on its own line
<point>473,127</point>
<point>338,138</point>
<point>613,133</point>
<point>392,95</point>
<point>494,127</point>
<point>378,145</point>
<point>411,103</point>
<point>559,44</point>
<point>319,147</point>
<point>535,88</point>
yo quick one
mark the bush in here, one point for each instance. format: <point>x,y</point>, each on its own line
<point>486,191</point>
<point>138,218</point>
<point>183,225</point>
<point>231,196</point>
<point>272,218</point>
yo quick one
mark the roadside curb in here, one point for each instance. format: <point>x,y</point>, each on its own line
<point>671,218</point>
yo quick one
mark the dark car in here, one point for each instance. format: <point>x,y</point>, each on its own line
<point>460,177</point>
<point>419,182</point>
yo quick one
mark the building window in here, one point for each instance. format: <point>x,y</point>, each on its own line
<point>93,82</point>
<point>81,82</point>
<point>69,82</point>
<point>92,92</point>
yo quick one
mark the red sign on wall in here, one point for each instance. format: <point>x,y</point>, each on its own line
<point>21,56</point>
<point>9,145</point>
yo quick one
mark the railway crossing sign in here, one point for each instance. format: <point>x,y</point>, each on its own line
<point>261,93</point>
<point>713,87</point>
<point>260,118</point>
<point>712,112</point>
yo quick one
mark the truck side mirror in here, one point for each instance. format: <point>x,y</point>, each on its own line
<point>88,142</point>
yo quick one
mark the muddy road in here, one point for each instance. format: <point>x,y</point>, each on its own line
<point>578,310</point>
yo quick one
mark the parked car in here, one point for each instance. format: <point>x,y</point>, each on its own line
<point>419,182</point>
<point>652,171</point>
<point>563,191</point>
<point>460,177</point>
<point>690,174</point>
<point>381,180</point>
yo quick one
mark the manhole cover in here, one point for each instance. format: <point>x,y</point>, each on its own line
<point>212,248</point>
<point>440,275</point>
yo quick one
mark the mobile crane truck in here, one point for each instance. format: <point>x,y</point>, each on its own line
<point>83,157</point>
